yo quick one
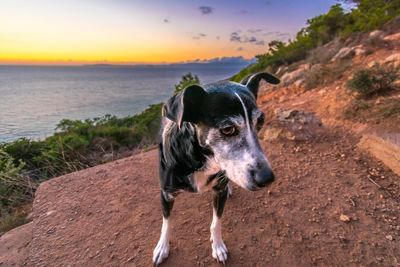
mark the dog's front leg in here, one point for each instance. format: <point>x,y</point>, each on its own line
<point>219,250</point>
<point>161,251</point>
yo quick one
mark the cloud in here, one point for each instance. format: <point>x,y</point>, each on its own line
<point>206,10</point>
<point>254,40</point>
<point>223,60</point>
<point>254,30</point>
<point>199,36</point>
<point>238,59</point>
<point>283,34</point>
<point>167,20</point>
<point>236,37</point>
<point>277,34</point>
<point>271,33</point>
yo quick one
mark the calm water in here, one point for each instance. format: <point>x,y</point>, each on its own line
<point>34,99</point>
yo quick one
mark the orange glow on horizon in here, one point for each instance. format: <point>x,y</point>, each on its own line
<point>78,32</point>
<point>88,52</point>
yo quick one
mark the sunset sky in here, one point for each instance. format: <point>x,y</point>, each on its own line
<point>130,31</point>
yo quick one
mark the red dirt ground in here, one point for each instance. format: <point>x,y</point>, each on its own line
<point>110,215</point>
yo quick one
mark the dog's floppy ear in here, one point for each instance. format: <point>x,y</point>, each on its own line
<point>252,82</point>
<point>185,106</point>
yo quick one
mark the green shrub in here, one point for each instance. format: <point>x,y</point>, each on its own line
<point>362,110</point>
<point>315,77</point>
<point>369,15</point>
<point>390,108</point>
<point>355,109</point>
<point>10,220</point>
<point>15,187</point>
<point>187,80</point>
<point>373,81</point>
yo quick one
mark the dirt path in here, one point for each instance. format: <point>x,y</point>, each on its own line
<point>110,215</point>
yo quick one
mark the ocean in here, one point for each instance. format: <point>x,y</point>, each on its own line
<point>33,99</point>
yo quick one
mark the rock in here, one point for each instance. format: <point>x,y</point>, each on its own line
<point>281,70</point>
<point>293,76</point>
<point>393,37</point>
<point>272,133</point>
<point>376,34</point>
<point>372,63</point>
<point>15,246</point>
<point>393,59</point>
<point>293,124</point>
<point>344,218</point>
<point>300,116</point>
<point>298,83</point>
<point>30,216</point>
<point>384,149</point>
<point>345,52</point>
<point>108,157</point>
<point>359,50</point>
<point>389,237</point>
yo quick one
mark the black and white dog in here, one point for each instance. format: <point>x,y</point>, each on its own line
<point>208,138</point>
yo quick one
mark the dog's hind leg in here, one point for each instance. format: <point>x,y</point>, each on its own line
<point>161,251</point>
<point>219,250</point>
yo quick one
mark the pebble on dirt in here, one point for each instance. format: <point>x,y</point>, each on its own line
<point>344,218</point>
<point>389,237</point>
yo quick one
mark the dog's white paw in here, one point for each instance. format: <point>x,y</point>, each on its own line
<point>161,252</point>
<point>219,251</point>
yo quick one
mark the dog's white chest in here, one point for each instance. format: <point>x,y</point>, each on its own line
<point>201,178</point>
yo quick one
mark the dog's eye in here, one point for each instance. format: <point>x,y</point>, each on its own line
<point>229,131</point>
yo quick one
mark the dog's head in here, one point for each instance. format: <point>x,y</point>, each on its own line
<point>227,120</point>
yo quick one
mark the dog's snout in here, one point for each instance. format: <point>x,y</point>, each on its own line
<point>263,176</point>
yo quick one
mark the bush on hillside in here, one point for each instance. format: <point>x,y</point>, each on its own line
<point>355,109</point>
<point>369,15</point>
<point>80,144</point>
<point>373,81</point>
<point>15,187</point>
<point>363,110</point>
<point>187,80</point>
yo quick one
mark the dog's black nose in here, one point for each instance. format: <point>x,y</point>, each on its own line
<point>263,177</point>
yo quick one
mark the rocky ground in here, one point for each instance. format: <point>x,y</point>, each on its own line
<point>331,205</point>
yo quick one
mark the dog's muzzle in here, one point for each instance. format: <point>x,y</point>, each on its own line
<point>261,177</point>
<point>264,178</point>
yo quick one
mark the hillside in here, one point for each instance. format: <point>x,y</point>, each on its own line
<point>332,203</point>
